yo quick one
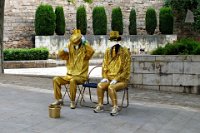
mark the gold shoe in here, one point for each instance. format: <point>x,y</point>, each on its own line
<point>57,102</point>
<point>114,111</point>
<point>98,109</point>
<point>72,105</point>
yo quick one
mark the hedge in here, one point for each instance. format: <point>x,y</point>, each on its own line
<point>166,20</point>
<point>26,54</point>
<point>60,21</point>
<point>45,20</point>
<point>150,21</point>
<point>117,20</point>
<point>99,21</point>
<point>81,19</point>
<point>180,47</point>
<point>132,23</point>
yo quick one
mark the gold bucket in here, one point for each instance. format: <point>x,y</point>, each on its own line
<point>54,111</point>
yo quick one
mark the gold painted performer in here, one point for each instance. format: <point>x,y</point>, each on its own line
<point>115,73</point>
<point>77,55</point>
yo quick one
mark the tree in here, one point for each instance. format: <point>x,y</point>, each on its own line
<point>81,19</point>
<point>99,22</point>
<point>132,23</point>
<point>60,20</point>
<point>2,3</point>
<point>117,20</point>
<point>150,21</point>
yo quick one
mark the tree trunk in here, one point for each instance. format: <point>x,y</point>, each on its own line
<point>2,3</point>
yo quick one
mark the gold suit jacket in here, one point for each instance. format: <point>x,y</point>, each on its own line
<point>117,67</point>
<point>77,61</point>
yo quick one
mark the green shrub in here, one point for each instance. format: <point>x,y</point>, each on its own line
<point>99,21</point>
<point>132,23</point>
<point>45,20</point>
<point>151,21</point>
<point>166,20</point>
<point>60,21</point>
<point>117,20</point>
<point>181,47</point>
<point>81,19</point>
<point>88,1</point>
<point>158,51</point>
<point>26,54</point>
<point>197,50</point>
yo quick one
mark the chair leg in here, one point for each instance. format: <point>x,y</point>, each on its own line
<point>66,91</point>
<point>82,98</point>
<point>125,94</point>
<point>127,98</point>
<point>64,95</point>
<point>107,98</point>
<point>80,94</point>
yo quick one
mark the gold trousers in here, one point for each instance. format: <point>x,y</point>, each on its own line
<point>73,81</point>
<point>112,91</point>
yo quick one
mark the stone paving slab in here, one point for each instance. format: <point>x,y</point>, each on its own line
<point>24,109</point>
<point>135,94</point>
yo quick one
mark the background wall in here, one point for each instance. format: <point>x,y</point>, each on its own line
<point>19,17</point>
<point>176,73</point>
<point>138,44</point>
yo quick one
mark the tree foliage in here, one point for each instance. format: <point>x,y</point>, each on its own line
<point>166,20</point>
<point>150,21</point>
<point>81,19</point>
<point>45,20</point>
<point>60,21</point>
<point>117,20</point>
<point>99,21</point>
<point>132,23</point>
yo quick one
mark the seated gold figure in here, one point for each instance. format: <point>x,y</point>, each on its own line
<point>77,54</point>
<point>115,73</point>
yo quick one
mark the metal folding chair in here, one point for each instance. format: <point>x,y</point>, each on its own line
<point>90,85</point>
<point>67,91</point>
<point>125,94</point>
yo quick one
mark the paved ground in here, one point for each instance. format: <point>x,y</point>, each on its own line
<point>25,100</point>
<point>24,109</point>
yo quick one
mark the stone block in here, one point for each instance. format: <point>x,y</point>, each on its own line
<point>151,79</point>
<point>143,67</point>
<point>192,67</point>
<point>136,78</point>
<point>144,58</point>
<point>172,88</point>
<point>166,79</point>
<point>148,87</point>
<point>185,80</point>
<point>171,58</point>
<point>195,58</point>
<point>169,67</point>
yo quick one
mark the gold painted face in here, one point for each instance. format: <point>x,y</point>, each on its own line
<point>75,39</point>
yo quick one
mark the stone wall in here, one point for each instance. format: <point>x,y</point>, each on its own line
<point>167,73</point>
<point>19,17</point>
<point>138,44</point>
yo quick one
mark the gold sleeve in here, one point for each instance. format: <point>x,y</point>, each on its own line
<point>125,72</point>
<point>105,64</point>
<point>63,55</point>
<point>89,51</point>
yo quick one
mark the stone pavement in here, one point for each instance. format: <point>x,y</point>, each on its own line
<point>24,109</point>
<point>25,99</point>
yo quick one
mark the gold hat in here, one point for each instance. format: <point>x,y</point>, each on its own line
<point>114,36</point>
<point>76,37</point>
<point>76,31</point>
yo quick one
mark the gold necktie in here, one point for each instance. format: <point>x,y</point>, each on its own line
<point>113,52</point>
